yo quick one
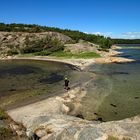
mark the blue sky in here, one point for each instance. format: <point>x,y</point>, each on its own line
<point>115,18</point>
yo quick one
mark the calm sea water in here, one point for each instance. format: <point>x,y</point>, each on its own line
<point>116,92</point>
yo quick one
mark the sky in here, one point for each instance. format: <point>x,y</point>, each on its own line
<point>114,18</point>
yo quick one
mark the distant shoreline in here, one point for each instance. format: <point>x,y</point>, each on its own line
<point>80,63</point>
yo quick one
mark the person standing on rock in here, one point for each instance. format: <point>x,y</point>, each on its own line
<point>66,83</point>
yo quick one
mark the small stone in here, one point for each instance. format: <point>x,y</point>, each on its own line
<point>20,133</point>
<point>71,96</point>
<point>40,132</point>
<point>14,126</point>
<point>65,108</point>
<point>113,105</point>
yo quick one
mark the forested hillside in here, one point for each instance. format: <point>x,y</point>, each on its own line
<point>42,40</point>
<point>126,41</point>
<point>75,35</point>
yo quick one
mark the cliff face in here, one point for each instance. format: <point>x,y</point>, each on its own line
<point>17,40</point>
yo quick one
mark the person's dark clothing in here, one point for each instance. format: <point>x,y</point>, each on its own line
<point>66,83</point>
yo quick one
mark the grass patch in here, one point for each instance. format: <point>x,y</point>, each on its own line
<point>2,114</point>
<point>5,133</point>
<point>78,55</point>
<point>114,138</point>
<point>43,53</point>
<point>17,98</point>
<point>126,139</point>
<point>103,49</point>
<point>84,55</point>
<point>26,55</point>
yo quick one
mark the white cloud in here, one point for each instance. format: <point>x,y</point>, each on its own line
<point>98,33</point>
<point>106,34</point>
<point>86,32</point>
<point>131,35</point>
<point>125,35</point>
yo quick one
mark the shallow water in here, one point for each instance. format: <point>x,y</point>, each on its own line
<point>24,81</point>
<point>113,92</point>
<point>117,92</point>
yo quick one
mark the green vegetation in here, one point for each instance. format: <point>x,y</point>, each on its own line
<point>112,138</point>
<point>126,41</point>
<point>5,133</point>
<point>75,35</point>
<point>115,138</point>
<point>51,45</point>
<point>48,46</point>
<point>62,54</point>
<point>44,46</point>
<point>2,114</point>
<point>79,55</point>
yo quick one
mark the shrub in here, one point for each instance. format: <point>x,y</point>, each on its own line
<point>43,46</point>
<point>78,55</point>
<point>11,52</point>
<point>43,53</point>
<point>2,114</point>
<point>5,133</point>
<point>32,45</point>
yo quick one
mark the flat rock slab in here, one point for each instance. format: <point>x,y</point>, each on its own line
<point>49,120</point>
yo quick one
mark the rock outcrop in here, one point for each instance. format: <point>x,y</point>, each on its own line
<point>82,46</point>
<point>111,57</point>
<point>54,119</point>
<point>18,40</point>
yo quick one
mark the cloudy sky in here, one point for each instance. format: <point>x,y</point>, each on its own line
<point>114,18</point>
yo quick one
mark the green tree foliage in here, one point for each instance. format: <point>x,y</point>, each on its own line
<point>126,41</point>
<point>75,35</point>
<point>2,114</point>
<point>40,45</point>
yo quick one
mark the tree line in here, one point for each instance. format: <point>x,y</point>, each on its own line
<point>126,41</point>
<point>104,42</point>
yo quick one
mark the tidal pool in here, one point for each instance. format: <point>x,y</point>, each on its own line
<point>27,81</point>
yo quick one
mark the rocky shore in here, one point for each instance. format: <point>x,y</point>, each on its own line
<point>59,117</point>
<point>110,57</point>
<point>55,118</point>
<point>107,57</point>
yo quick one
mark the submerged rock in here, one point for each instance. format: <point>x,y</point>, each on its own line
<point>113,105</point>
<point>52,78</point>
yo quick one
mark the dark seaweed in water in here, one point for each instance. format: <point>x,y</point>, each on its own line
<point>113,105</point>
<point>19,70</point>
<point>109,73</point>
<point>12,89</point>
<point>52,78</point>
<point>113,73</point>
<point>96,114</point>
